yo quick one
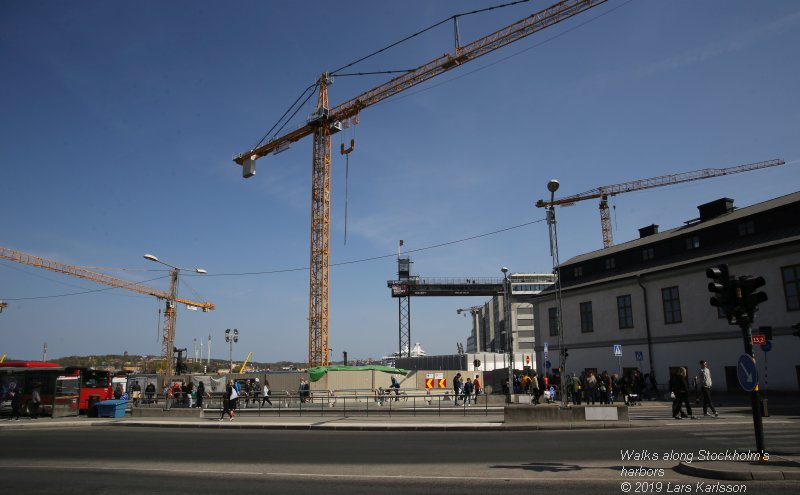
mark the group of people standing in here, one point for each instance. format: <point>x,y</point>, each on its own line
<point>467,391</point>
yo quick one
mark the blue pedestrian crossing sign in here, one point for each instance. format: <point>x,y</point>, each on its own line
<point>617,350</point>
<point>747,373</point>
<point>639,356</point>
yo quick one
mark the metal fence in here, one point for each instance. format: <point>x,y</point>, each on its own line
<point>343,403</point>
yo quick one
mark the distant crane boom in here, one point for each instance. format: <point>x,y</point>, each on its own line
<point>604,192</point>
<point>241,370</point>
<point>168,337</point>
<point>326,121</point>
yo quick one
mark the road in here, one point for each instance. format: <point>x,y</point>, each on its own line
<point>118,460</point>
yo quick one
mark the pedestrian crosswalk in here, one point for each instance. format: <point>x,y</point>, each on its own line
<point>780,438</point>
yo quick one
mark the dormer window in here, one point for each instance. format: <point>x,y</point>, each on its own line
<point>692,242</point>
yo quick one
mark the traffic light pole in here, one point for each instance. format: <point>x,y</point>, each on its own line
<point>739,298</point>
<point>755,396</point>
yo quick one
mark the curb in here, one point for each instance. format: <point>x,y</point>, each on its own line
<point>362,427</point>
<point>765,474</point>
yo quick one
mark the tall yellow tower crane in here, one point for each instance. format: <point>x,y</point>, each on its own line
<point>325,121</point>
<point>604,192</point>
<point>168,331</point>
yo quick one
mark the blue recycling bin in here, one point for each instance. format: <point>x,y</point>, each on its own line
<point>111,408</point>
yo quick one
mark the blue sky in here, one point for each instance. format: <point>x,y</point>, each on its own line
<point>120,119</point>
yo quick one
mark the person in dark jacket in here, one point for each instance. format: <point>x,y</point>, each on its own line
<point>16,403</point>
<point>200,392</point>
<point>679,386</point>
<point>228,399</point>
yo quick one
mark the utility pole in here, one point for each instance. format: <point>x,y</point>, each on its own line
<point>44,352</point>
<point>208,363</point>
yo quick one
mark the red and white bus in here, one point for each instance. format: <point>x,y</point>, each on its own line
<point>93,385</point>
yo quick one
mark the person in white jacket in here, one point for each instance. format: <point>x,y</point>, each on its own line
<point>705,385</point>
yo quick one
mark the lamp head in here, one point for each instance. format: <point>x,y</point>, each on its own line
<point>504,270</point>
<point>151,258</point>
<point>552,186</point>
<point>200,270</point>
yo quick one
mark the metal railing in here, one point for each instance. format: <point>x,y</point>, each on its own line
<point>342,403</point>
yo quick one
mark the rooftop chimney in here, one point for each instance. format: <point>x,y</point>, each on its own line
<point>715,209</point>
<point>648,231</point>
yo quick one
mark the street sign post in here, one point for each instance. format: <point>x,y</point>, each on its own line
<point>618,354</point>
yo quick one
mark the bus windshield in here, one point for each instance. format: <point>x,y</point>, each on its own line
<point>95,379</point>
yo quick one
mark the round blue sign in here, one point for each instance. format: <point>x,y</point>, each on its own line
<point>747,373</point>
<point>548,365</point>
<point>767,347</point>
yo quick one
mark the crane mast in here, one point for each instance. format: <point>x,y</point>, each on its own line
<point>605,192</point>
<point>325,121</point>
<point>168,330</point>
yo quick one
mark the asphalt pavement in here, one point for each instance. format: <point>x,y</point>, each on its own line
<point>782,464</point>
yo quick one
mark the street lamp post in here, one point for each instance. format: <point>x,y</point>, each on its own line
<point>231,337</point>
<point>552,186</point>
<point>168,337</point>
<point>509,338</point>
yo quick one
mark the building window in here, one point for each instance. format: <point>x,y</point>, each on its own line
<point>747,228</point>
<point>577,271</point>
<point>552,314</point>
<point>672,305</point>
<point>625,311</point>
<point>791,287</point>
<point>527,322</point>
<point>586,317</point>
<point>611,263</point>
<point>692,242</point>
<point>525,334</point>
<point>648,254</point>
<point>524,310</point>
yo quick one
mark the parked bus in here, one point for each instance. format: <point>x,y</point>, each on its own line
<point>94,385</point>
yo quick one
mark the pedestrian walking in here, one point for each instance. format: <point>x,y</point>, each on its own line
<point>266,392</point>
<point>705,384</point>
<point>228,398</point>
<point>535,388</point>
<point>679,385</point>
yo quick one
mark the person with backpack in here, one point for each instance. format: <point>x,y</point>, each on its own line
<point>266,394</point>
<point>469,388</point>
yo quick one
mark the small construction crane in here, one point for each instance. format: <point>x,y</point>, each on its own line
<point>325,121</point>
<point>168,331</point>
<point>604,192</point>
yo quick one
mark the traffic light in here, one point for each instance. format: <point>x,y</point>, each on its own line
<point>723,288</point>
<point>566,353</point>
<point>796,328</point>
<point>751,296</point>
